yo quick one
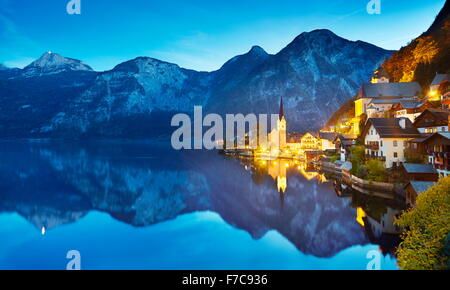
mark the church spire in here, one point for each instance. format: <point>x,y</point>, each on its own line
<point>281,115</point>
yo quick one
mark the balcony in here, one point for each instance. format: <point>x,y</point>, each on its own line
<point>442,167</point>
<point>379,158</point>
<point>438,154</point>
<point>373,146</point>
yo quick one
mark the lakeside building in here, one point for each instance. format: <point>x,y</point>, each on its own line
<point>413,189</point>
<point>445,101</point>
<point>410,109</point>
<point>382,108</point>
<point>327,139</point>
<point>310,142</point>
<point>384,91</point>
<point>420,172</point>
<point>434,149</point>
<point>439,86</point>
<point>433,121</point>
<point>343,145</point>
<point>438,152</point>
<point>294,141</point>
<point>385,139</point>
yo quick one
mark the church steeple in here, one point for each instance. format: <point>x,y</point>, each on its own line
<point>281,115</point>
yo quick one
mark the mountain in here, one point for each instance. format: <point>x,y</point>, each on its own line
<point>424,56</point>
<point>315,74</point>
<point>135,99</point>
<point>52,63</point>
<point>32,96</point>
<point>237,68</point>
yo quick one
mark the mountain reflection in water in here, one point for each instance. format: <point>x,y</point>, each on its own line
<point>144,184</point>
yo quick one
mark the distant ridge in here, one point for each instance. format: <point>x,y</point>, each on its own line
<point>56,96</point>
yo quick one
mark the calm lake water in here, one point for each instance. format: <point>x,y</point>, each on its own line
<point>141,205</point>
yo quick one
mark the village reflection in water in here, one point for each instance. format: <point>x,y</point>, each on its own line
<point>57,186</point>
<point>375,215</point>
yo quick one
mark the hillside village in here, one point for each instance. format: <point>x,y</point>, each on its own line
<point>397,137</point>
<point>408,134</point>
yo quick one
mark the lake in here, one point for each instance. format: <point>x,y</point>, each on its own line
<point>142,205</point>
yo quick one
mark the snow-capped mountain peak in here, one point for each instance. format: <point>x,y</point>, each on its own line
<point>53,63</point>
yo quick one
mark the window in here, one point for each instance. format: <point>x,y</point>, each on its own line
<point>395,143</point>
<point>381,153</point>
<point>443,129</point>
<point>381,143</point>
<point>395,155</point>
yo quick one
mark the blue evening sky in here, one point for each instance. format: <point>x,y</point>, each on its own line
<point>196,34</point>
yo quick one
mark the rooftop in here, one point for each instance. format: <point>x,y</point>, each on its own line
<point>440,114</point>
<point>379,90</point>
<point>419,168</point>
<point>420,139</point>
<point>440,78</point>
<point>389,101</point>
<point>445,135</point>
<point>412,104</point>
<point>391,128</point>
<point>421,186</point>
<point>330,136</point>
<point>347,166</point>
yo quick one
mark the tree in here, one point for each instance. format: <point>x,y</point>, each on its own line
<point>357,153</point>
<point>427,227</point>
<point>376,170</point>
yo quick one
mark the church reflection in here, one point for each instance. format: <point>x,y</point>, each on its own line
<point>280,169</point>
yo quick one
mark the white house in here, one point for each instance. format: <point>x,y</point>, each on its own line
<point>385,139</point>
<point>433,121</point>
<point>384,92</point>
<point>343,145</point>
<point>377,108</point>
<point>410,109</point>
<point>327,139</point>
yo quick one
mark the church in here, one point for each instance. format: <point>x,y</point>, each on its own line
<point>277,137</point>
